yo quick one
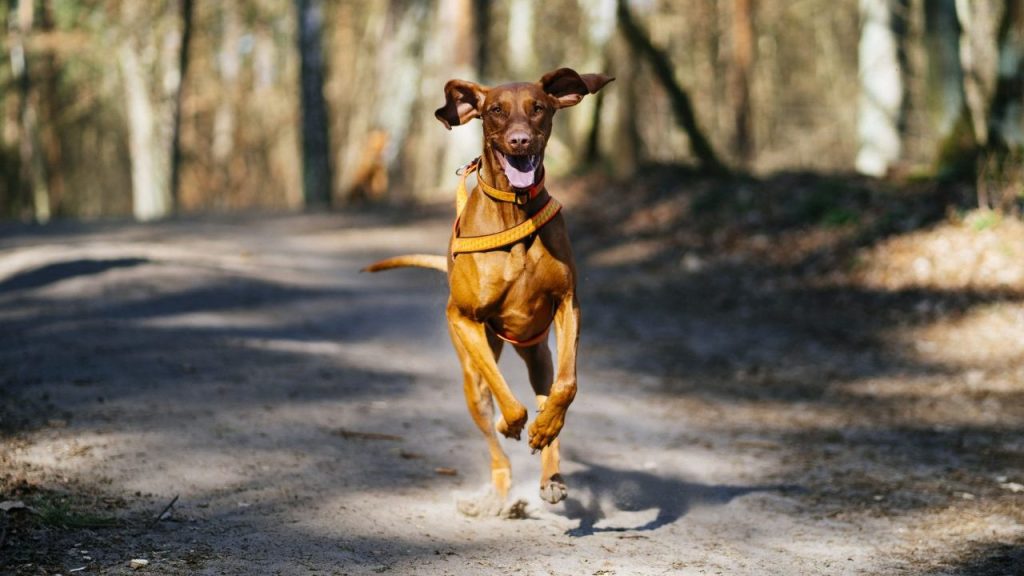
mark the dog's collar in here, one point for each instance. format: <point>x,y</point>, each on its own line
<point>518,196</point>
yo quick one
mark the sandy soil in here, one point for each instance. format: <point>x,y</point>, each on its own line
<point>737,414</point>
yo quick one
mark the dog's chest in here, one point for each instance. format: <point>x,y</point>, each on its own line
<point>517,275</point>
<point>515,265</point>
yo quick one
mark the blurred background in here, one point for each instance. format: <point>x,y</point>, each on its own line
<point>148,108</point>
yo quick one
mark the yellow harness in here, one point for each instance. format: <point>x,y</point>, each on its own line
<point>463,244</point>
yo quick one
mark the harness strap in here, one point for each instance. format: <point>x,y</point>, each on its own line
<point>463,244</point>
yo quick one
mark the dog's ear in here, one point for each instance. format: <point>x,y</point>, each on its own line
<point>568,87</point>
<point>462,102</point>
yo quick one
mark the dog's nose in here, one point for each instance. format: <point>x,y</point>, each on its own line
<point>518,139</point>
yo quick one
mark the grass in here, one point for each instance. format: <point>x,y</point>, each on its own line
<point>57,512</point>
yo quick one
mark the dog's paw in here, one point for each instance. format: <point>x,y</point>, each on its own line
<point>545,428</point>
<point>513,429</point>
<point>554,490</point>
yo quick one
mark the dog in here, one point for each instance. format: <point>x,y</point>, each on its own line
<point>510,266</point>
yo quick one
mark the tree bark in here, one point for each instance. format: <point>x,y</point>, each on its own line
<point>682,109</point>
<point>882,95</point>
<point>316,167</point>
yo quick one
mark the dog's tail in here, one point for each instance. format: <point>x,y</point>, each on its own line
<point>432,261</point>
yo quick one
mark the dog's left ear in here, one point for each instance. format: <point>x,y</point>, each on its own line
<point>568,87</point>
<point>462,103</point>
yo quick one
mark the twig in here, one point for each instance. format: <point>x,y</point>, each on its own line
<point>164,511</point>
<point>356,435</point>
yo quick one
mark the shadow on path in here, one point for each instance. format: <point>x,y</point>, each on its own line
<point>608,489</point>
<point>54,273</point>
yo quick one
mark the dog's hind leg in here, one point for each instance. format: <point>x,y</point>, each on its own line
<point>481,409</point>
<point>538,364</point>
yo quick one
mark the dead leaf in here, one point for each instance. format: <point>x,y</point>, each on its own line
<point>446,471</point>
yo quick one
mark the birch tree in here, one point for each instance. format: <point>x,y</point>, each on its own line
<point>150,60</point>
<point>882,93</point>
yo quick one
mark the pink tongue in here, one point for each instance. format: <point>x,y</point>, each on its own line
<point>518,179</point>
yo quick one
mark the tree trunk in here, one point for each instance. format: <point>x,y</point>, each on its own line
<point>742,61</point>
<point>482,10</point>
<point>316,151</point>
<point>947,102</point>
<point>33,173</point>
<point>978,61</point>
<point>151,197</point>
<point>881,107</point>
<point>641,44</point>
<point>585,124</point>
<point>1001,172</point>
<point>183,62</point>
<point>50,110</point>
<point>1006,129</point>
<point>149,57</point>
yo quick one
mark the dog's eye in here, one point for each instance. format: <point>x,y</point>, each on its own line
<point>496,110</point>
<point>538,107</point>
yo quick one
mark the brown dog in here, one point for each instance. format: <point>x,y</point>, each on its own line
<point>510,266</point>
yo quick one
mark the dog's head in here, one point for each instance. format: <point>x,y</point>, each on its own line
<point>517,117</point>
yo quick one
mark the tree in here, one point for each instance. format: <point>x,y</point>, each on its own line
<point>661,65</point>
<point>1006,130</point>
<point>947,102</point>
<point>1001,176</point>
<point>150,60</point>
<point>183,61</point>
<point>742,61</point>
<point>316,150</point>
<point>33,174</point>
<point>882,95</point>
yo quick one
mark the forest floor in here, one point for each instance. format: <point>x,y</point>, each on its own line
<point>799,375</point>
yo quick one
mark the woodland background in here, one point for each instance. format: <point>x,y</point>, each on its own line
<point>801,262</point>
<point>150,108</point>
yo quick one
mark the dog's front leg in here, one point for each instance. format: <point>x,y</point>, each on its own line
<point>473,338</point>
<point>549,421</point>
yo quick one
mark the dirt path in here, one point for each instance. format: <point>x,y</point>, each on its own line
<point>310,418</point>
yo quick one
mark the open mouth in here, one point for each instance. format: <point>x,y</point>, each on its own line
<point>520,170</point>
